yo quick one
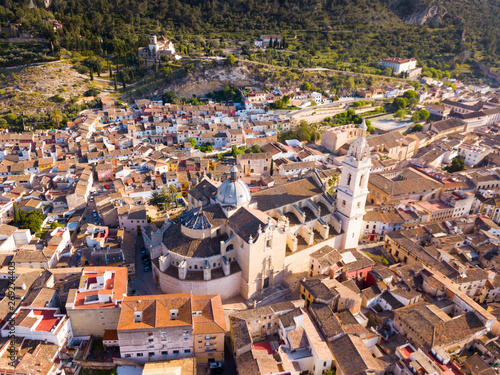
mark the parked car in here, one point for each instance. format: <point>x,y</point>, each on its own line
<point>147,268</point>
<point>216,367</point>
<point>143,251</point>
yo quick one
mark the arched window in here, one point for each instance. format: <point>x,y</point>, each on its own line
<point>349,179</point>
<point>361,180</point>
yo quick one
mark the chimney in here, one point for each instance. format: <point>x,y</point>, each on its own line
<point>138,317</point>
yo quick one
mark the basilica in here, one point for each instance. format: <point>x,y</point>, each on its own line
<point>243,243</point>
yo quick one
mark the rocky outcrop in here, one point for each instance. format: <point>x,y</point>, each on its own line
<point>202,81</point>
<point>430,16</point>
<point>419,12</point>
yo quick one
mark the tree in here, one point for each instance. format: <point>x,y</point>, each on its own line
<point>192,141</point>
<point>91,72</point>
<point>171,97</point>
<point>424,114</point>
<point>33,220</point>
<point>114,78</point>
<point>400,113</point>
<point>256,149</point>
<point>11,117</point>
<point>411,97</point>
<point>369,126</point>
<point>399,103</point>
<point>230,60</point>
<point>155,199</point>
<point>306,86</point>
<point>235,151</point>
<point>17,218</point>
<point>55,225</point>
<point>457,165</point>
<point>417,128</point>
<point>172,189</point>
<point>168,201</point>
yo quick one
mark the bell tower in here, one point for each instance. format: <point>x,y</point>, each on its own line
<point>353,189</point>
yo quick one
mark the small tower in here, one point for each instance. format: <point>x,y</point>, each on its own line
<point>353,189</point>
<point>153,44</point>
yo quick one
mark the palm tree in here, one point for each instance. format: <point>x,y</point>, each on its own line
<point>172,189</point>
<point>168,201</point>
<point>155,199</point>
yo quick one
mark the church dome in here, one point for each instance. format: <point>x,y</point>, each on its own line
<point>233,191</point>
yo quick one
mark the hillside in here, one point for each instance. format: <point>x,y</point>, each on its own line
<point>353,30</point>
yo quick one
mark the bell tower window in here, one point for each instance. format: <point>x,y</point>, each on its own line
<point>349,179</point>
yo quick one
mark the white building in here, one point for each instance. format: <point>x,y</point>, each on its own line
<point>472,155</point>
<point>398,64</point>
<point>41,324</point>
<point>353,189</point>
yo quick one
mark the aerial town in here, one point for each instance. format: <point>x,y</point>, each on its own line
<point>260,229</point>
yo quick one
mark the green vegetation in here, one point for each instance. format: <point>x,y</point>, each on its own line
<point>361,103</point>
<point>416,128</point>
<point>399,103</point>
<point>457,165</point>
<point>55,225</point>
<point>335,34</point>
<point>304,132</point>
<point>164,198</point>
<point>378,258</point>
<point>32,220</point>
<point>14,54</point>
<point>421,115</point>
<point>411,98</point>
<point>344,118</point>
<point>400,113</point>
<point>228,93</point>
<point>51,120</point>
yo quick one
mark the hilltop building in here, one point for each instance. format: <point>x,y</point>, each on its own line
<point>156,49</point>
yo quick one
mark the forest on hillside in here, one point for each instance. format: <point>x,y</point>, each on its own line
<point>349,30</point>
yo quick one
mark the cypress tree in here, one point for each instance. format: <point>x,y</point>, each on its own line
<point>16,214</point>
<point>91,74</point>
<point>116,87</point>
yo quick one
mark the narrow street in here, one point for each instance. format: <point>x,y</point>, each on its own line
<point>143,282</point>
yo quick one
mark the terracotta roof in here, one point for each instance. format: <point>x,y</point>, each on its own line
<point>156,312</point>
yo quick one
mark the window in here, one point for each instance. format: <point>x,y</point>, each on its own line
<point>361,180</point>
<point>348,179</point>
<point>164,353</point>
<point>268,243</point>
<point>343,203</point>
<point>140,354</point>
<point>199,347</point>
<point>151,354</point>
<point>176,352</point>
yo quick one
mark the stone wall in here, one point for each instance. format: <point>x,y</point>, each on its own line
<point>227,287</point>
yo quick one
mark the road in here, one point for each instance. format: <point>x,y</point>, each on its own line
<point>143,282</point>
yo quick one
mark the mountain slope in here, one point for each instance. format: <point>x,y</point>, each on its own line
<point>439,26</point>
